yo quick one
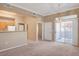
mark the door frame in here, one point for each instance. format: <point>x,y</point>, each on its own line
<point>37,30</point>
<point>26,30</point>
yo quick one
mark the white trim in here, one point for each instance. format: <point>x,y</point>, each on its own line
<point>37,32</point>
<point>12,47</point>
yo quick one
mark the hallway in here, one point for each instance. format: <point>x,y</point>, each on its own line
<point>43,48</point>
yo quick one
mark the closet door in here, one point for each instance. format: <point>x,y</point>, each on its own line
<point>48,31</point>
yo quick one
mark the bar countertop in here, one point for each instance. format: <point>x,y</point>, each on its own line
<point>10,31</point>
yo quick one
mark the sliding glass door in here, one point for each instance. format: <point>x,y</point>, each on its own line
<point>59,32</point>
<point>64,31</point>
<point>68,31</point>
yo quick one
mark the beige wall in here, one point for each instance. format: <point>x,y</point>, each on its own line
<point>32,23</point>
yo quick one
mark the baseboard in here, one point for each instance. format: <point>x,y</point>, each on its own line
<point>12,47</point>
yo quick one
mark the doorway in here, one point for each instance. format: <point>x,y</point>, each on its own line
<point>39,34</point>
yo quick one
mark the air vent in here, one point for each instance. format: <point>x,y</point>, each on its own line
<point>34,13</point>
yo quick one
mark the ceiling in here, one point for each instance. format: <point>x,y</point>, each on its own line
<point>45,9</point>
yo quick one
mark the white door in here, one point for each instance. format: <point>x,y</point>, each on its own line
<point>48,31</point>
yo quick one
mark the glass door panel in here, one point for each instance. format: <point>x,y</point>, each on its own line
<point>64,31</point>
<point>57,27</point>
<point>59,32</point>
<point>68,31</point>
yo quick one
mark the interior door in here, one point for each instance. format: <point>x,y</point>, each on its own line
<point>48,31</point>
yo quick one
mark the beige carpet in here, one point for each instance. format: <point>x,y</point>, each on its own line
<point>43,48</point>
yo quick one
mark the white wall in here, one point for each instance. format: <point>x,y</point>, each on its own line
<point>12,39</point>
<point>75,32</point>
